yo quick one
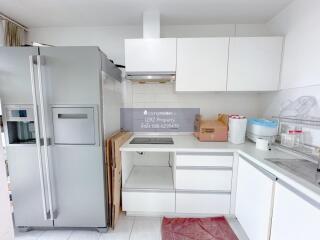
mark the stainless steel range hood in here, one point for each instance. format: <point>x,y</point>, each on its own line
<point>151,77</point>
<point>151,58</point>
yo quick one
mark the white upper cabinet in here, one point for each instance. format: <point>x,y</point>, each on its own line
<point>151,55</point>
<point>202,64</point>
<point>295,217</point>
<point>254,63</point>
<point>254,200</point>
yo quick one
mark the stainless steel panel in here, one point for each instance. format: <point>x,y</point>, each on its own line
<point>74,126</point>
<point>45,132</point>
<point>79,186</point>
<point>15,85</point>
<point>72,74</point>
<point>26,186</point>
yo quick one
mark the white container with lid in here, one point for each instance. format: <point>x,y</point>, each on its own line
<point>237,129</point>
<point>262,128</point>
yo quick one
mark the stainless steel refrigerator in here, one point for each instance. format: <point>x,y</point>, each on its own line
<point>53,106</point>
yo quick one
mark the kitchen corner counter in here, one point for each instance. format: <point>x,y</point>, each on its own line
<point>188,143</point>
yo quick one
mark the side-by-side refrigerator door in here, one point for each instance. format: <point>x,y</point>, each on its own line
<point>15,85</point>
<point>18,77</point>
<point>77,163</point>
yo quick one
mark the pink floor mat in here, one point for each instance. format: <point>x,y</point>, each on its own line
<point>215,228</point>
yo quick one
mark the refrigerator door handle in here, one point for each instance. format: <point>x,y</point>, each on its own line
<point>37,135</point>
<point>45,136</point>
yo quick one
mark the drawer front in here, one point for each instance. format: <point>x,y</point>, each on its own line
<point>148,201</point>
<point>203,203</point>
<point>209,160</point>
<point>195,179</point>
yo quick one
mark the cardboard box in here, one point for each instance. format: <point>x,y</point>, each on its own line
<point>113,175</point>
<point>212,130</point>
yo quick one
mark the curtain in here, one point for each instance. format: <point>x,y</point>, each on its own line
<point>13,35</point>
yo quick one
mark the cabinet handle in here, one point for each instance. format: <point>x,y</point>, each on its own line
<point>203,192</point>
<point>204,168</point>
<point>263,171</point>
<point>300,194</point>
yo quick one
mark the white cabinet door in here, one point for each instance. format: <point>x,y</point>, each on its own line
<point>151,55</point>
<point>254,201</point>
<point>294,217</point>
<point>202,64</point>
<point>254,63</point>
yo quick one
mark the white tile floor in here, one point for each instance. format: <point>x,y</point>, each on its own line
<point>128,228</point>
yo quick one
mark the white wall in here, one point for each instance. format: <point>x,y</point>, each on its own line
<point>301,59</point>
<point>299,22</point>
<point>111,41</point>
<point>1,33</point>
<point>218,30</point>
<point>301,69</point>
<point>111,38</point>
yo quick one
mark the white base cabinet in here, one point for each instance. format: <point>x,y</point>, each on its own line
<point>144,201</point>
<point>254,201</point>
<point>202,179</point>
<point>202,203</point>
<point>294,217</point>
<point>203,183</point>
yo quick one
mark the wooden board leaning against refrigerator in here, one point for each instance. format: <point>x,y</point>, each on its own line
<point>113,174</point>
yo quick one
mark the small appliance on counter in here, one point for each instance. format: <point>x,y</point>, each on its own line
<point>237,129</point>
<point>262,129</point>
<point>212,130</point>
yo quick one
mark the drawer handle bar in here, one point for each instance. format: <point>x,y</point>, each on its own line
<point>72,116</point>
<point>204,168</point>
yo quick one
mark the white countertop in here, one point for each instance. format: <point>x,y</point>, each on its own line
<point>188,143</point>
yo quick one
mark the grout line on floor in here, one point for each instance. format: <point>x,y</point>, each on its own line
<point>134,221</point>
<point>100,235</point>
<point>42,232</point>
<point>70,235</point>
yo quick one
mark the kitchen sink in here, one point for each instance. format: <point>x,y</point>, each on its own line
<point>300,167</point>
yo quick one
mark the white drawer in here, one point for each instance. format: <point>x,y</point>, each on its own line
<point>210,160</point>
<point>204,179</point>
<point>148,201</point>
<point>203,203</point>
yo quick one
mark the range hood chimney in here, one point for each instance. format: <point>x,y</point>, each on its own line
<point>150,44</point>
<point>151,24</point>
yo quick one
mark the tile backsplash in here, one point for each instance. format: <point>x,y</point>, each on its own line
<point>153,95</point>
<point>274,103</point>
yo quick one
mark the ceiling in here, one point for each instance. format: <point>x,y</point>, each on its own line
<point>51,13</point>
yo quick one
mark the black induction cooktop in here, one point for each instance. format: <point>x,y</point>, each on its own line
<point>151,140</point>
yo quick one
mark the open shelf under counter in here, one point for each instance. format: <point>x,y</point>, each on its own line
<point>150,178</point>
